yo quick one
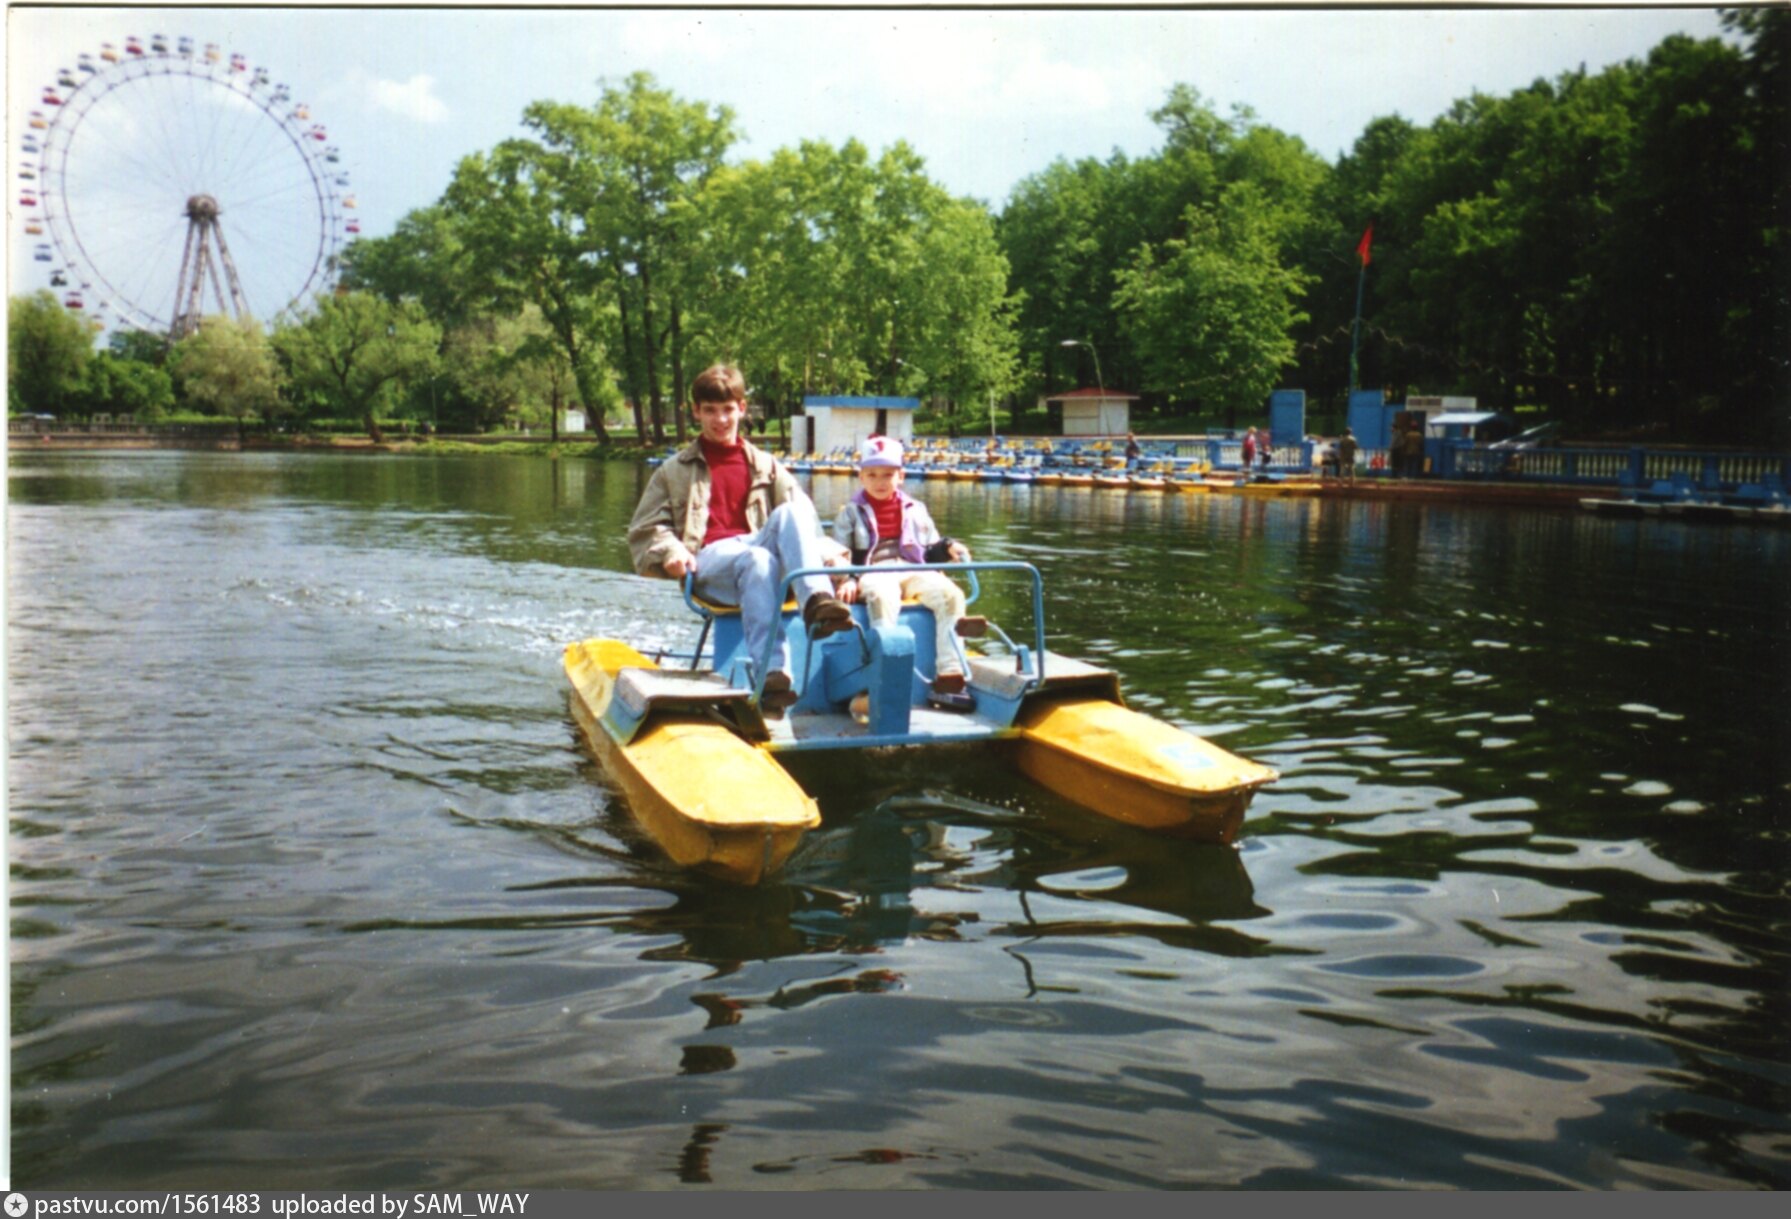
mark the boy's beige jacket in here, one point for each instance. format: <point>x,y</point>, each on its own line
<point>673,514</point>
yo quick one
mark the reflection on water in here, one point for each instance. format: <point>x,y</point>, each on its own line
<point>314,887</point>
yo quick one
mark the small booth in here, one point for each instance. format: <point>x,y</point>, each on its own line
<point>1458,426</point>
<point>1481,427</point>
<point>1095,412</point>
<point>844,421</point>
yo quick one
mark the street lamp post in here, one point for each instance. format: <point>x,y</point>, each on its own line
<point>1099,382</point>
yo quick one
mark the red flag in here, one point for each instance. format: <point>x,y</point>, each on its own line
<point>1362,247</point>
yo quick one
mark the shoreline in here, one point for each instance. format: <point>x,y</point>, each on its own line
<point>1383,489</point>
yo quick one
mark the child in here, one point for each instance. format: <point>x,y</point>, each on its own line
<point>883,524</point>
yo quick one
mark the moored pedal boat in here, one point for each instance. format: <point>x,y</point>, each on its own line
<point>1272,486</point>
<point>698,762</point>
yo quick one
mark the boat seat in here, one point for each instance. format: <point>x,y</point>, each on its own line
<point>716,609</point>
<point>640,690</point>
<point>719,609</point>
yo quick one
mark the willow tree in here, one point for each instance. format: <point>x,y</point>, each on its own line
<point>226,367</point>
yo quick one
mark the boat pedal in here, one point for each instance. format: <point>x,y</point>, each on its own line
<point>961,702</point>
<point>972,626</point>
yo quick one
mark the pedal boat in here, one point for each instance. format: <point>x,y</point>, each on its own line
<point>1277,486</point>
<point>698,765</point>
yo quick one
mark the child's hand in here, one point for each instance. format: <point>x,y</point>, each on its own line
<point>847,590</point>
<point>959,552</point>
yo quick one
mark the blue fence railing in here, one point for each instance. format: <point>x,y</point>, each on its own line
<point>1636,468</point>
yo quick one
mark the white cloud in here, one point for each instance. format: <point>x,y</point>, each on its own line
<point>414,99</point>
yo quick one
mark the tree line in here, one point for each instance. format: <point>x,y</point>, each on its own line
<point>1611,247</point>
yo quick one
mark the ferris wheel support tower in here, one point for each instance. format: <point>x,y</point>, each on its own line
<point>195,261</point>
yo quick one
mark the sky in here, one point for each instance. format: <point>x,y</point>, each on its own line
<point>986,98</point>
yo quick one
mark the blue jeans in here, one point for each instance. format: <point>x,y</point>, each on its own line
<point>748,571</point>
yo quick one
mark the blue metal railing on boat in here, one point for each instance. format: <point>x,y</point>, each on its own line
<point>761,664</point>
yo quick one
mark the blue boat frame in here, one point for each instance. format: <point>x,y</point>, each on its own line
<point>889,664</point>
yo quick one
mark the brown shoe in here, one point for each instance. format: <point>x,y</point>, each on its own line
<point>948,683</point>
<point>823,614</point>
<point>972,626</point>
<point>778,694</point>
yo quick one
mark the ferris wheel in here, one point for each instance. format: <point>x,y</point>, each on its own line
<point>163,180</point>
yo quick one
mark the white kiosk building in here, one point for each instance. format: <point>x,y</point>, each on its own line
<point>843,421</point>
<point>1096,412</point>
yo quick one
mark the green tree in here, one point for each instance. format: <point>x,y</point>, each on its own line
<point>121,386</point>
<point>144,346</point>
<point>425,260</point>
<point>359,354</point>
<point>635,160</point>
<point>835,272</point>
<point>517,214</point>
<point>1211,314</point>
<point>227,368</point>
<point>507,367</point>
<point>1071,231</point>
<point>1601,243</point>
<point>47,348</point>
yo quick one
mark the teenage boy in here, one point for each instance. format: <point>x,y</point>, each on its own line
<point>883,524</point>
<point>735,517</point>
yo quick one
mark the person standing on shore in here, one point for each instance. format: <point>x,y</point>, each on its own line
<point>1346,456</point>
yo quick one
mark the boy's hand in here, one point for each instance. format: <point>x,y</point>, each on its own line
<point>959,552</point>
<point>676,568</point>
<point>847,590</point>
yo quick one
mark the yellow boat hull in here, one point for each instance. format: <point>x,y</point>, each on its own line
<point>1136,769</point>
<point>1276,490</point>
<point>710,799</point>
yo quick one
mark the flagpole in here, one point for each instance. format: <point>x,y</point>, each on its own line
<point>1355,330</point>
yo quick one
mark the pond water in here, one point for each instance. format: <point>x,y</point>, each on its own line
<point>313,884</point>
